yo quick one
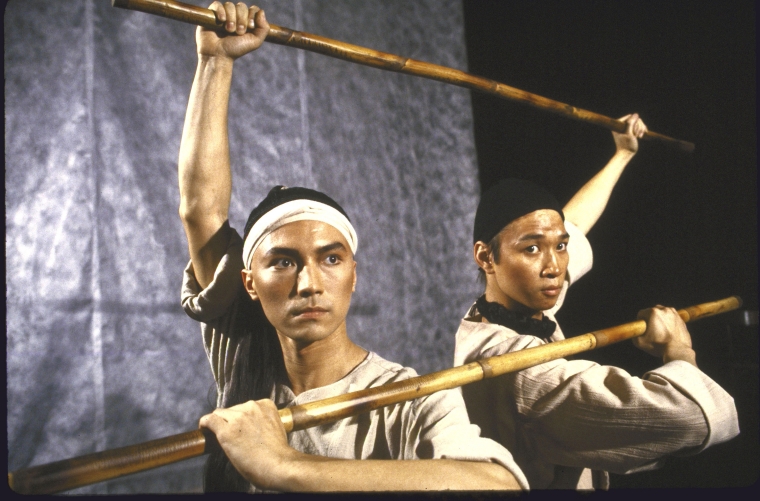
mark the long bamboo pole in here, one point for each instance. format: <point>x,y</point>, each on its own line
<point>100,466</point>
<point>314,43</point>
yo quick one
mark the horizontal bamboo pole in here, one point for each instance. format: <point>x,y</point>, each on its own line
<point>191,14</point>
<point>100,466</point>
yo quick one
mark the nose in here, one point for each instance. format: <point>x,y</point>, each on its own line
<point>309,281</point>
<point>551,268</point>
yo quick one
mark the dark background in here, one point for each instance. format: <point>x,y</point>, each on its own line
<point>680,229</point>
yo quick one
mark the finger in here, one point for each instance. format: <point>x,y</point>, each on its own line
<point>217,7</point>
<point>241,10</point>
<point>631,124</point>
<point>623,119</point>
<point>252,10</point>
<point>644,314</point>
<point>212,422</point>
<point>639,128</point>
<point>231,12</point>
<point>262,26</point>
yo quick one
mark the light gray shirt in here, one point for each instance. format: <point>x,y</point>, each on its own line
<point>567,423</point>
<point>432,427</point>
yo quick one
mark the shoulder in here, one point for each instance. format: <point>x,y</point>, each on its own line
<point>475,339</point>
<point>378,371</point>
<point>581,255</point>
<point>222,292</point>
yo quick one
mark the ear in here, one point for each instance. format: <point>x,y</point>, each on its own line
<point>483,257</point>
<point>353,287</point>
<point>250,287</point>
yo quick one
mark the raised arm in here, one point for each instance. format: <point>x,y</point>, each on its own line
<point>586,206</point>
<point>254,439</point>
<point>205,180</point>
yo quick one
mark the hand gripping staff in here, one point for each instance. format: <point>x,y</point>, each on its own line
<point>314,43</point>
<point>100,466</point>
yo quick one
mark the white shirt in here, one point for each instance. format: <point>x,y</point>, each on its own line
<point>569,422</point>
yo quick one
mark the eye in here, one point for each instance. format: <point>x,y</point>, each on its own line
<point>333,259</point>
<point>283,262</point>
<point>532,249</point>
<point>562,246</point>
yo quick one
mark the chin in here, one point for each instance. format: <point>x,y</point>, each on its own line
<point>308,334</point>
<point>545,304</point>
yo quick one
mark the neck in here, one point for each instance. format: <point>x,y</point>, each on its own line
<point>495,295</point>
<point>319,363</point>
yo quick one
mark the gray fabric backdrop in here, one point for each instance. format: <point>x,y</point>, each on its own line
<point>99,352</point>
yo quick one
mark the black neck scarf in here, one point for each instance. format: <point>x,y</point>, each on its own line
<point>518,322</point>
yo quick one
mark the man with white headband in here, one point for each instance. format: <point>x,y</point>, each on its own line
<point>278,337</point>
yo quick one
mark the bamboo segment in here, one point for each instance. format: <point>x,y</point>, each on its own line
<point>348,52</point>
<point>358,402</point>
<point>97,467</point>
<point>100,466</point>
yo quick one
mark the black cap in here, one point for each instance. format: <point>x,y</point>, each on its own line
<point>507,200</point>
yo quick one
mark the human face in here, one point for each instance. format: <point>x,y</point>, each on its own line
<point>532,263</point>
<point>304,275</point>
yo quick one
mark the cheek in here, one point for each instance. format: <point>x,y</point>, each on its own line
<point>520,279</point>
<point>272,289</point>
<point>343,283</point>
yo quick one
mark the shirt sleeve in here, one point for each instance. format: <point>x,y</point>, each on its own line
<point>216,299</point>
<point>580,253</point>
<point>442,430</point>
<point>215,307</point>
<point>578,413</point>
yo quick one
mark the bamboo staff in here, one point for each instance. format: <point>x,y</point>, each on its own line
<point>100,466</point>
<point>284,36</point>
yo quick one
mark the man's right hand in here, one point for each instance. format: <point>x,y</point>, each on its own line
<point>253,438</point>
<point>237,40</point>
<point>666,335</point>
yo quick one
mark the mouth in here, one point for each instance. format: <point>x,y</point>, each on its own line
<point>551,291</point>
<point>310,312</point>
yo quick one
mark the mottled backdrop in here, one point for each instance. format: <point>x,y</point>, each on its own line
<point>99,352</point>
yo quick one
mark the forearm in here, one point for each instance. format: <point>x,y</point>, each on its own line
<point>586,206</point>
<point>316,473</point>
<point>205,181</point>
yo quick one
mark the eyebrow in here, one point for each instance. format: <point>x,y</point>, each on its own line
<point>287,251</point>
<point>331,247</point>
<point>540,236</point>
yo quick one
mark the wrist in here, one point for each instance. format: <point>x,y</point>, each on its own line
<point>680,353</point>
<point>215,63</point>
<point>290,472</point>
<point>625,155</point>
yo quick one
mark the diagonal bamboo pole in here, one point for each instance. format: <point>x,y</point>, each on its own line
<point>314,43</point>
<point>100,466</point>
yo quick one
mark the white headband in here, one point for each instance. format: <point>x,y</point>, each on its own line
<point>297,210</point>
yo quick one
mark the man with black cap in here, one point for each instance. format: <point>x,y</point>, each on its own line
<point>273,306</point>
<point>567,423</point>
